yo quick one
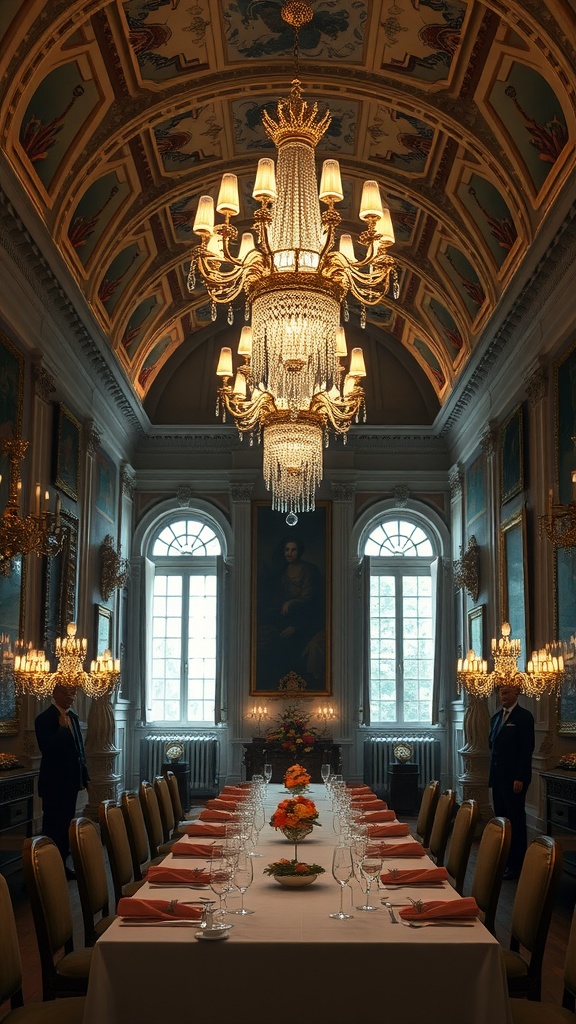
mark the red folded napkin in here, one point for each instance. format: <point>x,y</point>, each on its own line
<point>203,851</point>
<point>369,805</point>
<point>237,791</point>
<point>213,815</point>
<point>396,850</point>
<point>404,876</point>
<point>436,910</point>
<point>370,816</point>
<point>361,789</point>
<point>162,873</point>
<point>132,906</point>
<point>223,803</point>
<point>204,828</point>
<point>396,828</point>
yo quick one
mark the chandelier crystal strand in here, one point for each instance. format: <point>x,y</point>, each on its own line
<point>293,464</point>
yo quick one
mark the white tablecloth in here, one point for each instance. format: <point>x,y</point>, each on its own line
<point>290,962</point>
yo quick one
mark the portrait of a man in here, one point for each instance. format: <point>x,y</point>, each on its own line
<point>290,589</point>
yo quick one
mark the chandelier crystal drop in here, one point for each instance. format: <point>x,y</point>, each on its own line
<point>32,674</point>
<point>292,389</point>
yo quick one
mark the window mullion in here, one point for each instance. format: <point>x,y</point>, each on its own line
<point>399,649</point>
<point>184,655</point>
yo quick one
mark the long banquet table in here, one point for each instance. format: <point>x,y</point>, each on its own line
<point>289,961</point>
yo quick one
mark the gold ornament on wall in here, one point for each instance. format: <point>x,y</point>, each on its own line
<point>115,571</point>
<point>467,570</point>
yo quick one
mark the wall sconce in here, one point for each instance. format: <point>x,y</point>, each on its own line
<point>467,570</point>
<point>327,715</point>
<point>115,571</point>
<point>258,714</point>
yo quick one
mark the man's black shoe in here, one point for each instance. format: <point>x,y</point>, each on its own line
<point>70,874</point>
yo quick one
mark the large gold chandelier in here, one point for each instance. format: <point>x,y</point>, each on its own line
<point>292,388</point>
<point>544,672</point>
<point>32,674</point>
<point>40,531</point>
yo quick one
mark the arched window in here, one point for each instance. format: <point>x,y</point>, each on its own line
<point>401,609</point>
<point>183,660</point>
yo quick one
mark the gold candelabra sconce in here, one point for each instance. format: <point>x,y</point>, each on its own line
<point>559,523</point>
<point>544,672</point>
<point>327,715</point>
<point>115,571</point>
<point>33,675</point>
<point>40,531</point>
<point>258,714</point>
<point>467,570</point>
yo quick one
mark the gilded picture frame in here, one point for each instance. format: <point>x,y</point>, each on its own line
<point>514,583</point>
<point>476,630</point>
<point>512,456</point>
<point>67,474</point>
<point>12,625</point>
<point>565,558</point>
<point>102,630</point>
<point>291,612</point>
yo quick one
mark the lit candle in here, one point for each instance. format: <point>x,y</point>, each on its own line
<point>37,506</point>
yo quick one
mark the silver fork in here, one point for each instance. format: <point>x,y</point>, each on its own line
<point>393,917</point>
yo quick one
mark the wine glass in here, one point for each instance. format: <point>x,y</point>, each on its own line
<point>267,773</point>
<point>370,866</point>
<point>325,773</point>
<point>342,872</point>
<point>221,876</point>
<point>243,875</point>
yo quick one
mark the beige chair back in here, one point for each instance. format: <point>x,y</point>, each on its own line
<point>88,859</point>
<point>50,901</point>
<point>10,963</point>
<point>152,819</point>
<point>490,863</point>
<point>175,796</point>
<point>532,912</point>
<point>427,811</point>
<point>137,834</point>
<point>441,826</point>
<point>461,842</point>
<point>115,836</point>
<point>165,804</point>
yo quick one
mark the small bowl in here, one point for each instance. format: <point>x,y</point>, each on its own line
<point>212,934</point>
<point>295,881</point>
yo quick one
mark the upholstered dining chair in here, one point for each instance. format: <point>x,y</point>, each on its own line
<point>47,886</point>
<point>137,834</point>
<point>427,812</point>
<point>531,915</point>
<point>66,1011</point>
<point>461,842</point>
<point>441,827</point>
<point>88,859</point>
<point>115,837</point>
<point>153,821</point>
<point>170,827</point>
<point>525,1011</point>
<point>179,812</point>
<point>489,870</point>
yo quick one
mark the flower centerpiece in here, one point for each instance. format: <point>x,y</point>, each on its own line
<point>293,731</point>
<point>296,779</point>
<point>293,872</point>
<point>295,817</point>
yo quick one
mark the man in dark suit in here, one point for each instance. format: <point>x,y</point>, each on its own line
<point>511,747</point>
<point>63,771</point>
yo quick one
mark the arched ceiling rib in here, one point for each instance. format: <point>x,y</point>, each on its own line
<point>115,115</point>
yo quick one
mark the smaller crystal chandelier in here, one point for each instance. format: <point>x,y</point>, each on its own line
<point>32,673</point>
<point>115,571</point>
<point>559,523</point>
<point>39,531</point>
<point>544,672</point>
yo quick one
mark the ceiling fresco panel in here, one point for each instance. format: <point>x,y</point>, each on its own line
<point>256,30</point>
<point>400,141</point>
<point>489,211</point>
<point>95,212</point>
<point>123,268</point>
<point>189,139</point>
<point>168,38</point>
<point>420,40</point>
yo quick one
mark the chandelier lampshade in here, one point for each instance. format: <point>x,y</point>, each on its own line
<point>296,277</point>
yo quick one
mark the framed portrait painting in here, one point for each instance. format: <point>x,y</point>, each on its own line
<point>105,492</point>
<point>103,630</point>
<point>512,456</point>
<point>67,452</point>
<point>476,630</point>
<point>290,602</point>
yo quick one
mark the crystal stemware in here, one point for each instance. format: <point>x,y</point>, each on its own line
<point>342,872</point>
<point>243,876</point>
<point>370,866</point>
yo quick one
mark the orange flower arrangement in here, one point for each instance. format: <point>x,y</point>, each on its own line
<point>296,777</point>
<point>295,812</point>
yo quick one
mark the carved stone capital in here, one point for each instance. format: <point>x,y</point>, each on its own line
<point>44,383</point>
<point>456,480</point>
<point>401,495</point>
<point>91,438</point>
<point>488,442</point>
<point>537,386</point>
<point>343,492</point>
<point>128,482</point>
<point>184,496</point>
<point>241,492</point>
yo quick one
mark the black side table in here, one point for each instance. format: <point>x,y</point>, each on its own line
<point>403,787</point>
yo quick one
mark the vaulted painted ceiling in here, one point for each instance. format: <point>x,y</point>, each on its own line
<point>116,116</point>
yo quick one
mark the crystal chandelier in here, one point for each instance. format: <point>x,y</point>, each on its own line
<point>292,388</point>
<point>32,673</point>
<point>559,523</point>
<point>544,672</point>
<point>39,531</point>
